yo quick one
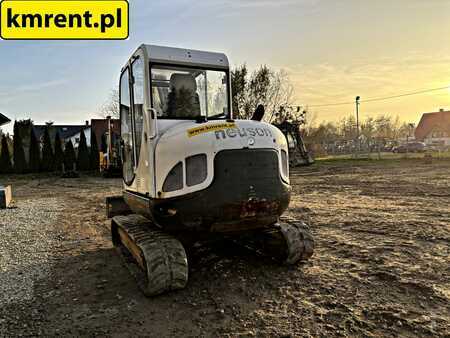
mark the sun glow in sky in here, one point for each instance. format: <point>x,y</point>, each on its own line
<point>332,50</point>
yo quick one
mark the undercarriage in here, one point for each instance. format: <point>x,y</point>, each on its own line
<point>159,262</point>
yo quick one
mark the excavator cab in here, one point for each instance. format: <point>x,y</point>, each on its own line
<point>161,87</point>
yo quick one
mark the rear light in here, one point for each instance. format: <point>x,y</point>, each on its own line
<point>196,169</point>
<point>174,180</point>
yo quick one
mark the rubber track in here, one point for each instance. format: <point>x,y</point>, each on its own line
<point>164,256</point>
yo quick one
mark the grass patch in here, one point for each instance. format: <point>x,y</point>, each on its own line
<point>384,159</point>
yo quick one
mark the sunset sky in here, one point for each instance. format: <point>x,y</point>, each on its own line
<point>332,50</point>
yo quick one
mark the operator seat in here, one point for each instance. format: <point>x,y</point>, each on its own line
<point>183,100</point>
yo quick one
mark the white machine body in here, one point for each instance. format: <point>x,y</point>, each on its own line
<point>156,146</point>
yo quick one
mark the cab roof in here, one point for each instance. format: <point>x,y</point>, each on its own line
<point>184,57</point>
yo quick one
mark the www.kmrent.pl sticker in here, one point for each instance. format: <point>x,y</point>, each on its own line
<point>208,128</point>
<point>64,20</point>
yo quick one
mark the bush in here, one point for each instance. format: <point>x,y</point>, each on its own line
<point>5,158</point>
<point>20,164</point>
<point>35,154</point>
<point>83,161</point>
<point>69,156</point>
<point>59,154</point>
<point>47,153</point>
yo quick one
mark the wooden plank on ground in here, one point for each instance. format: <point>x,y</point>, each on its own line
<point>5,196</point>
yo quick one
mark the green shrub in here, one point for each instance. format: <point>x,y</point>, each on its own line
<point>59,154</point>
<point>20,164</point>
<point>83,161</point>
<point>69,156</point>
<point>48,160</point>
<point>5,158</point>
<point>34,164</point>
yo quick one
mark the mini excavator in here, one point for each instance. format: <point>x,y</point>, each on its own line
<point>190,170</point>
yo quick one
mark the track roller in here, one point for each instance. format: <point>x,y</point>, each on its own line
<point>157,260</point>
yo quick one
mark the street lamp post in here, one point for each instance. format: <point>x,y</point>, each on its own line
<point>357,122</point>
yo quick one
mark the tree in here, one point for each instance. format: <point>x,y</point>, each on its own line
<point>325,133</point>
<point>264,86</point>
<point>347,128</point>
<point>59,154</point>
<point>69,156</point>
<point>405,130</point>
<point>5,158</point>
<point>94,158</point>
<point>111,107</point>
<point>47,152</point>
<point>34,164</point>
<point>368,128</point>
<point>83,161</point>
<point>280,94</point>
<point>239,88</point>
<point>20,165</point>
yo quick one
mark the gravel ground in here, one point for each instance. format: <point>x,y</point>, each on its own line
<point>26,240</point>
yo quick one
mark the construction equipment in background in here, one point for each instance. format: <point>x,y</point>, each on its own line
<point>192,173</point>
<point>298,153</point>
<point>109,156</point>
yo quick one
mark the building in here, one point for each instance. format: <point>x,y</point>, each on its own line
<point>434,128</point>
<point>75,138</point>
<point>100,130</point>
<point>3,119</point>
<point>66,132</point>
<point>98,127</point>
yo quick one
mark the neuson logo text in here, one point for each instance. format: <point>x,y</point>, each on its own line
<point>243,132</point>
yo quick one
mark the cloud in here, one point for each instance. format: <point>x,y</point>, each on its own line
<point>267,3</point>
<point>8,95</point>
<point>324,83</point>
<point>229,8</point>
<point>379,77</point>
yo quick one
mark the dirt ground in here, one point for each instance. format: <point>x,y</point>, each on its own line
<point>381,265</point>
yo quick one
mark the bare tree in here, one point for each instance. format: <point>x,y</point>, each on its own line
<point>111,107</point>
<point>280,94</point>
<point>264,86</point>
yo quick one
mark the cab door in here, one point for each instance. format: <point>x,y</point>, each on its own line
<point>126,128</point>
<point>143,144</point>
<point>138,127</point>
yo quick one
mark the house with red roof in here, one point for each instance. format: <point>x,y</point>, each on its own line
<point>434,128</point>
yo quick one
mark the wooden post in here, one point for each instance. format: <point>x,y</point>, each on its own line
<point>5,197</point>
